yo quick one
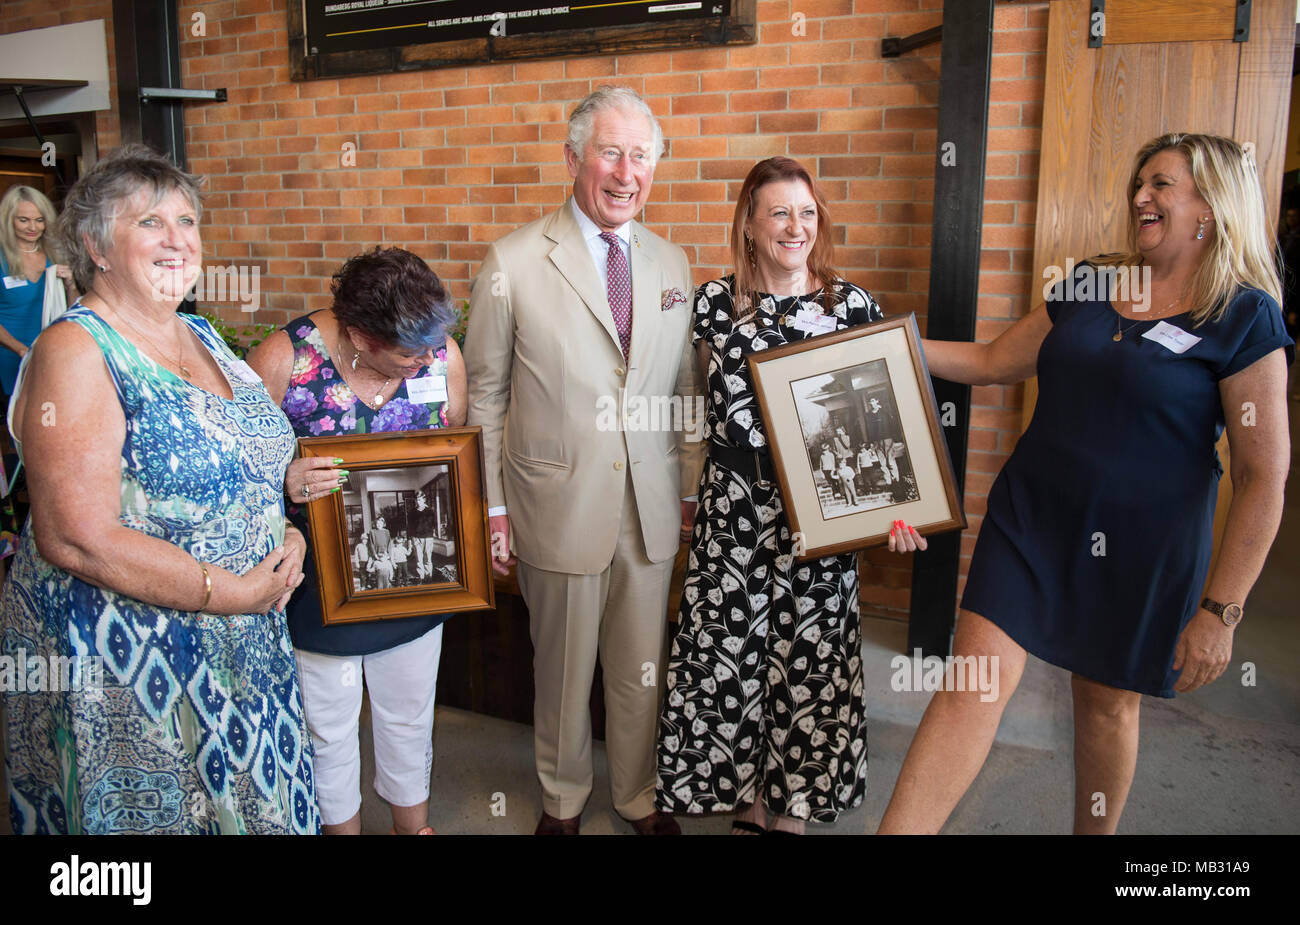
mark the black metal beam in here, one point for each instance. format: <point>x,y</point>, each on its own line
<point>27,114</point>
<point>964,70</point>
<point>1241,28</point>
<point>147,37</point>
<point>893,46</point>
<point>40,139</point>
<point>1096,23</point>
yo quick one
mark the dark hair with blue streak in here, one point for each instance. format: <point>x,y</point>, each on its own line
<point>392,296</point>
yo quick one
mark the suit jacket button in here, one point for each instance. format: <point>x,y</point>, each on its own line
<point>618,464</point>
<point>620,371</point>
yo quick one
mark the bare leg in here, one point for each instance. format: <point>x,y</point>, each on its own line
<point>351,827</point>
<point>756,813</point>
<point>954,736</point>
<point>788,824</point>
<point>408,820</point>
<point>1105,754</point>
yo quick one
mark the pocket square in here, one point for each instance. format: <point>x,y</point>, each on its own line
<point>670,298</point>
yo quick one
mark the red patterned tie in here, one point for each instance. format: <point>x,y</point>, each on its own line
<point>618,286</point>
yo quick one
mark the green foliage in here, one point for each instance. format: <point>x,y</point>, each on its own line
<point>457,331</point>
<point>240,339</point>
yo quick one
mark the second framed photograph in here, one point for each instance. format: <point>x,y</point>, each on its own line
<point>855,437</point>
<point>407,534</point>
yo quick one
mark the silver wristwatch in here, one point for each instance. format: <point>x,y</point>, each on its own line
<point>1230,613</point>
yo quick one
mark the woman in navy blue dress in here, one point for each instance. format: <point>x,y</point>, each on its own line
<point>1096,546</point>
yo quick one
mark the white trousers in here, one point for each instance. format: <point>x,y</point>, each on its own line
<point>402,682</point>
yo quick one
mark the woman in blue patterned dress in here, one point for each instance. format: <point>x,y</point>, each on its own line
<point>157,561</point>
<point>378,360</point>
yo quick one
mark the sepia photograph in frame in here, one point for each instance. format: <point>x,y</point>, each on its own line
<point>855,437</point>
<point>406,535</point>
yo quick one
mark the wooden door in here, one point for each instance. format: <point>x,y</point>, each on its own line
<point>1163,66</point>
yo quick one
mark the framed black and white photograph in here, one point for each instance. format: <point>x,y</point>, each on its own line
<point>406,535</point>
<point>855,437</point>
<point>399,527</point>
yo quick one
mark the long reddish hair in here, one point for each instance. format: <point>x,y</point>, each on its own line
<point>820,258</point>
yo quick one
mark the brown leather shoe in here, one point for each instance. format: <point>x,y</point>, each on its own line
<point>656,823</point>
<point>549,825</point>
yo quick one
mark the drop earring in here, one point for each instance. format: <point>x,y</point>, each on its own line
<point>1200,231</point>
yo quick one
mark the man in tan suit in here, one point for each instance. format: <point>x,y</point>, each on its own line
<point>576,313</point>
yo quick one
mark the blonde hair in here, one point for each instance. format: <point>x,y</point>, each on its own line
<point>1243,251</point>
<point>9,241</point>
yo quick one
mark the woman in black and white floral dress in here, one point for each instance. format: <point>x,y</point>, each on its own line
<point>765,700</point>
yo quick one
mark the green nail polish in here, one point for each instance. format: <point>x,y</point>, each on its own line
<point>345,472</point>
<point>334,489</point>
<point>338,461</point>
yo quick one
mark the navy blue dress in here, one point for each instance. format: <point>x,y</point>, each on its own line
<point>1095,549</point>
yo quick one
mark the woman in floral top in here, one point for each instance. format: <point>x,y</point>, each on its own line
<point>764,712</point>
<point>349,370</point>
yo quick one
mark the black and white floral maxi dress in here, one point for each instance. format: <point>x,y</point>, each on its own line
<point>764,683</point>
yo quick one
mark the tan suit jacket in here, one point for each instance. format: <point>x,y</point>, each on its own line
<point>547,376</point>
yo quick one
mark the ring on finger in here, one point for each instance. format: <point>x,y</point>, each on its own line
<point>306,490</point>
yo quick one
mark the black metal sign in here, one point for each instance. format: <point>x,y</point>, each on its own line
<point>356,25</point>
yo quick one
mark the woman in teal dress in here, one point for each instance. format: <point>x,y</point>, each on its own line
<point>146,602</point>
<point>25,253</point>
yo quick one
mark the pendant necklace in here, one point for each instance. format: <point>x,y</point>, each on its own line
<point>1120,332</point>
<point>378,400</point>
<point>180,352</point>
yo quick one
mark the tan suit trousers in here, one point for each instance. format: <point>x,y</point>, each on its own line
<point>620,614</point>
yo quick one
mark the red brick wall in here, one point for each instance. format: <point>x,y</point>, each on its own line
<point>449,160</point>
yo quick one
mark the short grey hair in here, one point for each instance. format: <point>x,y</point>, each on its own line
<point>96,200</point>
<point>608,97</point>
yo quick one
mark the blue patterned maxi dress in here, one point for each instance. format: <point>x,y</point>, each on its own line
<point>197,726</point>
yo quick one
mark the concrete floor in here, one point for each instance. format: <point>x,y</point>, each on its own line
<point>1221,760</point>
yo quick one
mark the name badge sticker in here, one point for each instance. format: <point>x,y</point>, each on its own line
<point>245,372</point>
<point>812,322</point>
<point>13,282</point>
<point>1172,338</point>
<point>427,389</point>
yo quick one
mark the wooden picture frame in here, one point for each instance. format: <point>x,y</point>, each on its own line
<point>861,396</point>
<point>366,568</point>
